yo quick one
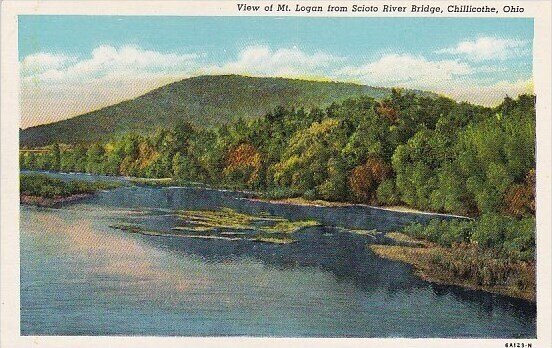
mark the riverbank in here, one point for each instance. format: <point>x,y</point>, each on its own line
<point>259,197</point>
<point>462,265</point>
<point>44,191</point>
<point>254,196</point>
<point>51,202</point>
<point>321,203</point>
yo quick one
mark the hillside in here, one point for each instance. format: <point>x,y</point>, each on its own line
<point>203,100</point>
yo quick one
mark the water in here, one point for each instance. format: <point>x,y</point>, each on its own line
<point>81,277</point>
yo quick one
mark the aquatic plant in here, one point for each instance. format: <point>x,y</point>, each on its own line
<point>229,224</point>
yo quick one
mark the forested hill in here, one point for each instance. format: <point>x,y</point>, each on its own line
<point>203,100</point>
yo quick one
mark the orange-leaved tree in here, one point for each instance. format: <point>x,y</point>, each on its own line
<point>365,179</point>
<point>243,163</point>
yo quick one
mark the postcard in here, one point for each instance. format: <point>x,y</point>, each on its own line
<point>250,173</point>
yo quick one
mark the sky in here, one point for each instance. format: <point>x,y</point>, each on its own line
<point>74,64</point>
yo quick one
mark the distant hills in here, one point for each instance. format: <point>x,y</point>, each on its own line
<point>203,100</point>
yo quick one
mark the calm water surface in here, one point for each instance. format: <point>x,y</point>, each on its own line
<point>81,277</point>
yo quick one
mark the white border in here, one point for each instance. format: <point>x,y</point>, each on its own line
<point>9,145</point>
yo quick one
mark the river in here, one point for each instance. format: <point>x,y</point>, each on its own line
<point>79,276</point>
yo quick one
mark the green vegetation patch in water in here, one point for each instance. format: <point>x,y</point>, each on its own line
<point>138,230</point>
<point>230,225</point>
<point>263,227</point>
<point>287,226</point>
<point>164,182</point>
<point>368,233</point>
<point>274,239</point>
<point>229,219</point>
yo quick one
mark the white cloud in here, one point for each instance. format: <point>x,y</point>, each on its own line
<point>487,48</point>
<point>283,62</point>
<point>107,62</point>
<point>452,78</point>
<point>41,62</point>
<point>489,94</point>
<point>409,71</point>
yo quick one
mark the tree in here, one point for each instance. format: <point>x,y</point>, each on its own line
<point>95,159</point>
<point>243,163</point>
<point>520,198</point>
<point>304,165</point>
<point>55,157</point>
<point>365,179</point>
<point>183,133</point>
<point>414,164</point>
<point>334,188</point>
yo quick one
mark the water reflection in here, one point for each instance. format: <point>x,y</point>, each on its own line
<point>345,256</point>
<point>79,276</point>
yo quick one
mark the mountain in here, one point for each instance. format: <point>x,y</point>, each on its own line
<point>203,100</point>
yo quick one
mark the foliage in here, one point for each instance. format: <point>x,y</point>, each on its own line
<point>366,178</point>
<point>507,236</point>
<point>520,198</point>
<point>39,185</point>
<point>243,163</point>
<point>428,153</point>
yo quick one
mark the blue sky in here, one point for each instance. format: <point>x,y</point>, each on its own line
<point>73,64</point>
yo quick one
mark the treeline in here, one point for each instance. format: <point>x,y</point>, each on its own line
<point>429,153</point>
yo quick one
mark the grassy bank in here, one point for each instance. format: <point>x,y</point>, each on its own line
<point>464,264</point>
<point>38,189</point>
<point>495,253</point>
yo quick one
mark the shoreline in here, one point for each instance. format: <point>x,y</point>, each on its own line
<point>51,202</point>
<point>323,203</point>
<point>422,256</point>
<point>256,196</point>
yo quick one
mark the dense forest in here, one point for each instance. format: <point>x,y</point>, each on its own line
<point>426,152</point>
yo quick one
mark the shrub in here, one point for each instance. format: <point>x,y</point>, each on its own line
<point>455,232</point>
<point>504,237</point>
<point>489,231</point>
<point>519,240</point>
<point>484,267</point>
<point>310,195</point>
<point>280,193</point>
<point>43,186</point>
